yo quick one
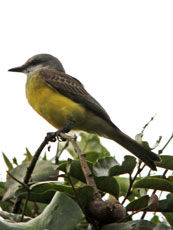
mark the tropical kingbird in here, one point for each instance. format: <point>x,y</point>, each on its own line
<point>62,99</point>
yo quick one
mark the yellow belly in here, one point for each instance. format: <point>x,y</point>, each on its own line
<point>57,109</point>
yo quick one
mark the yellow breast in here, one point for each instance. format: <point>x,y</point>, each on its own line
<point>57,109</point>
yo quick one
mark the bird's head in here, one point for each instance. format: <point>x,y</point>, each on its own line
<point>38,62</point>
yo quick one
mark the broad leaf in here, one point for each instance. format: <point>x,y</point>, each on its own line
<point>92,156</point>
<point>44,191</point>
<point>43,171</point>
<point>138,204</point>
<point>89,143</point>
<point>166,162</point>
<point>62,213</point>
<point>106,184</point>
<point>169,217</point>
<point>108,166</point>
<point>154,183</point>
<point>127,166</point>
<point>166,205</point>
<point>136,225</point>
<point>103,165</point>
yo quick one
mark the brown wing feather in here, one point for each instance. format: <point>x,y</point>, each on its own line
<point>73,89</point>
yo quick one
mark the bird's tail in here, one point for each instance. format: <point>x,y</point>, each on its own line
<point>145,155</point>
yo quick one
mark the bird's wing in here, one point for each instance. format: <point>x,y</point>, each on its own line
<point>73,89</point>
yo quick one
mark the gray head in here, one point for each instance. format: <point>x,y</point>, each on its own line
<point>40,61</point>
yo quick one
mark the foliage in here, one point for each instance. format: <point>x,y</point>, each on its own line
<point>58,197</point>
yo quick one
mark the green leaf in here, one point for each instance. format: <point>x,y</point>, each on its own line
<point>43,187</point>
<point>44,198</point>
<point>136,225</point>
<point>124,186</point>
<point>89,143</point>
<point>7,162</point>
<point>154,183</point>
<point>103,165</point>
<point>108,166</point>
<point>166,162</point>
<point>62,213</point>
<point>85,195</point>
<point>169,217</point>
<point>43,171</point>
<point>14,217</point>
<point>92,156</point>
<point>106,184</point>
<point>116,226</point>
<point>155,219</point>
<point>166,205</point>
<point>44,191</point>
<point>138,204</point>
<point>127,166</point>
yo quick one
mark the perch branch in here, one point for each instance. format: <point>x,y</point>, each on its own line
<point>87,172</point>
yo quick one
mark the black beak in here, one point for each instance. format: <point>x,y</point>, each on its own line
<point>20,69</point>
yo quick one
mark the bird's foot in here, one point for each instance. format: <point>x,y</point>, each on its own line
<point>53,136</point>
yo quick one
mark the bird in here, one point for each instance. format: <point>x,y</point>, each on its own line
<point>63,100</point>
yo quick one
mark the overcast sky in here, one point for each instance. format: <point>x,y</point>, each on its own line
<point>122,51</point>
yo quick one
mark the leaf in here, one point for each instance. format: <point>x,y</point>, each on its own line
<point>7,162</point>
<point>127,166</point>
<point>155,219</point>
<point>124,185</point>
<point>144,202</point>
<point>43,187</point>
<point>136,225</point>
<point>106,184</point>
<point>103,165</point>
<point>116,226</point>
<point>166,162</point>
<point>92,156</point>
<point>166,205</point>
<point>44,191</point>
<point>138,204</point>
<point>154,183</point>
<point>85,195</point>
<point>108,166</point>
<point>13,217</point>
<point>43,171</point>
<point>169,217</point>
<point>89,143</point>
<point>62,213</point>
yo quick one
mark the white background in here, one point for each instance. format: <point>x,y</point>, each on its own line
<point>122,51</point>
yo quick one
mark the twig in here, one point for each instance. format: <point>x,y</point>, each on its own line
<point>30,170</point>
<point>18,181</point>
<point>145,126</point>
<point>164,173</point>
<point>129,216</point>
<point>49,137</point>
<point>161,150</point>
<point>87,172</point>
<point>25,205</point>
<point>59,151</point>
<point>131,183</point>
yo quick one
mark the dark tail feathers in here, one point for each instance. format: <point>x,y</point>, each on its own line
<point>148,157</point>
